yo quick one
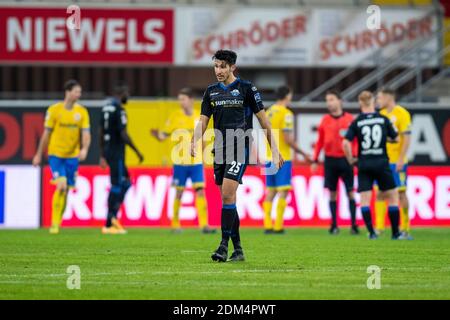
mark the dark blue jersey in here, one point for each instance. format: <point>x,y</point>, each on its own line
<point>372,131</point>
<point>232,108</point>
<point>114,121</point>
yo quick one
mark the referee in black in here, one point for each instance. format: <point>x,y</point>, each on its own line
<point>113,139</point>
<point>231,102</point>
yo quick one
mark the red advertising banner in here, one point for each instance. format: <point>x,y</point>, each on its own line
<point>149,200</point>
<point>90,34</point>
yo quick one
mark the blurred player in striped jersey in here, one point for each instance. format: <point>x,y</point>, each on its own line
<point>398,161</point>
<point>183,122</point>
<point>65,123</point>
<point>282,122</point>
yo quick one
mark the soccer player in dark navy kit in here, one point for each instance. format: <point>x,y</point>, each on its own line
<point>373,131</point>
<point>231,102</point>
<point>113,139</point>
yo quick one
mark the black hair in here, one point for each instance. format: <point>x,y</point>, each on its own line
<point>228,56</point>
<point>334,92</point>
<point>282,92</point>
<point>70,84</point>
<point>187,92</point>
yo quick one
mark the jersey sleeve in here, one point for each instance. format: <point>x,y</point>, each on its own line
<point>351,132</point>
<point>206,109</point>
<point>253,99</point>
<point>49,122</point>
<point>85,121</point>
<point>404,126</point>
<point>391,132</point>
<point>288,121</point>
<point>355,142</point>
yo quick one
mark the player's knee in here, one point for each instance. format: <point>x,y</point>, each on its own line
<point>283,194</point>
<point>365,198</point>
<point>392,197</point>
<point>380,196</point>
<point>270,195</point>
<point>403,199</point>
<point>228,198</point>
<point>179,193</point>
<point>62,186</point>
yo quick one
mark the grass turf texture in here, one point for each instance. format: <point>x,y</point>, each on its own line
<point>155,264</point>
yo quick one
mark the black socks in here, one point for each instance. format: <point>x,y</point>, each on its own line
<point>333,214</point>
<point>394,217</point>
<point>230,226</point>
<point>352,205</point>
<point>367,219</point>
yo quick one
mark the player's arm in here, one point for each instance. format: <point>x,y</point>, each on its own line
<point>103,163</point>
<point>85,143</point>
<point>403,150</point>
<point>392,134</point>
<point>265,124</point>
<point>318,146</point>
<point>167,129</point>
<point>200,128</point>
<point>392,140</point>
<point>254,101</point>
<point>319,143</point>
<point>43,144</point>
<point>49,124</point>
<point>159,135</point>
<point>122,120</point>
<point>347,147</point>
<point>199,131</point>
<point>288,137</point>
<point>85,136</point>
<point>405,131</point>
<point>347,144</point>
<point>127,140</point>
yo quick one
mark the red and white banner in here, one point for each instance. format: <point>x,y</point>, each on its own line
<point>190,35</point>
<point>102,36</point>
<point>301,37</point>
<point>149,200</point>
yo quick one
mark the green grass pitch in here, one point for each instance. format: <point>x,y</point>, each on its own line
<point>155,264</point>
